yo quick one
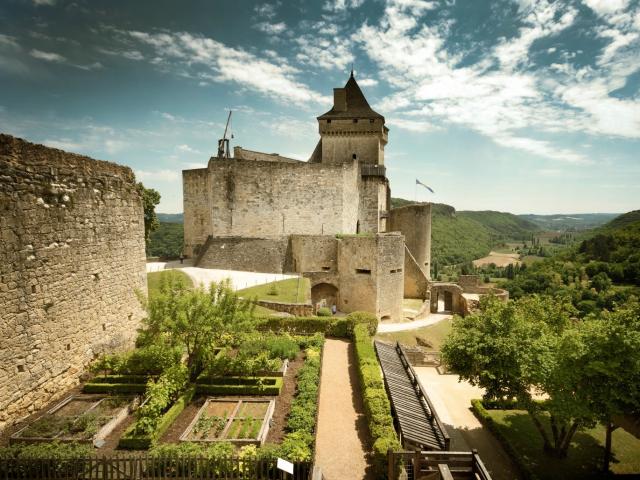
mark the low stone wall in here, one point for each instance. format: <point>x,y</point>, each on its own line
<point>268,255</point>
<point>297,309</point>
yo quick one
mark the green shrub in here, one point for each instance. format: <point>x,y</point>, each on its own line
<point>357,318</point>
<point>253,381</point>
<point>275,346</point>
<point>49,450</point>
<point>376,402</point>
<point>113,388</point>
<point>315,341</point>
<point>149,360</point>
<point>270,390</point>
<point>324,312</point>
<point>242,364</point>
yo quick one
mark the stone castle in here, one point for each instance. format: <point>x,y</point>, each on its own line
<point>328,218</point>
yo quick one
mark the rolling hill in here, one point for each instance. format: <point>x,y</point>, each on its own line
<point>570,222</point>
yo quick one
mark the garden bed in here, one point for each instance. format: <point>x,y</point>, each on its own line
<point>239,421</point>
<point>269,386</point>
<point>78,418</point>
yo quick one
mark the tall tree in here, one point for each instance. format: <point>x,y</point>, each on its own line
<point>510,350</point>
<point>150,199</point>
<point>196,319</point>
<point>606,350</point>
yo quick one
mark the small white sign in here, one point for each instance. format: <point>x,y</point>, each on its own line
<point>285,466</point>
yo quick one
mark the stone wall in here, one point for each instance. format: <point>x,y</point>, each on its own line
<point>197,209</point>
<point>414,222</point>
<point>297,309</point>
<point>416,284</point>
<point>390,275</point>
<point>314,253</point>
<point>268,254</point>
<point>373,200</point>
<point>72,249</point>
<point>259,198</point>
<point>341,139</point>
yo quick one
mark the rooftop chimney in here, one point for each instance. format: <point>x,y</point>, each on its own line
<point>339,99</point>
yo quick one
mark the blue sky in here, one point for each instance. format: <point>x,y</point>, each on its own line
<point>522,106</point>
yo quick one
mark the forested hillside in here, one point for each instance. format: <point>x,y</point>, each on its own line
<point>602,270</point>
<point>166,241</point>
<point>573,222</point>
<point>458,237</point>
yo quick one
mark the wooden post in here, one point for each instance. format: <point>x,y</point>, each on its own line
<point>391,471</point>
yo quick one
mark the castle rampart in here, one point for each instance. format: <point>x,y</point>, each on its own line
<point>73,254</point>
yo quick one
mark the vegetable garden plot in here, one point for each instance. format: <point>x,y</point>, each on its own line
<point>78,418</point>
<point>240,421</point>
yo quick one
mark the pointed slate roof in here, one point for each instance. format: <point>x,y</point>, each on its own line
<point>357,105</point>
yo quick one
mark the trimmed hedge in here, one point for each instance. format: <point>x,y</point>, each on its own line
<point>340,327</point>
<point>237,380</point>
<point>129,441</point>
<point>113,379</point>
<point>114,388</point>
<point>376,402</point>
<point>269,390</point>
<point>481,413</point>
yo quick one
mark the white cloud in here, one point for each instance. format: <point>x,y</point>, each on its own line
<point>163,175</point>
<point>367,82</point>
<point>187,149</point>
<point>266,10</point>
<point>412,125</point>
<point>47,56</point>
<point>39,3</point>
<point>341,5</point>
<point>326,53</point>
<point>605,7</point>
<point>65,144</point>
<point>8,41</point>
<point>206,59</point>
<point>271,28</point>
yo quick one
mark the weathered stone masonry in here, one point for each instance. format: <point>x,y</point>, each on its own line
<point>71,257</point>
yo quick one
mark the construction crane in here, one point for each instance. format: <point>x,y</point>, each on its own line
<point>223,143</point>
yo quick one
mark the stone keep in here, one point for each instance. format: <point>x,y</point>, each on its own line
<point>265,212</point>
<point>72,256</point>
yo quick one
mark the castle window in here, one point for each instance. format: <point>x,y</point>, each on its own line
<point>355,120</point>
<point>371,120</point>
<point>329,121</point>
<point>363,271</point>
<point>326,269</point>
<point>354,156</point>
<point>397,270</point>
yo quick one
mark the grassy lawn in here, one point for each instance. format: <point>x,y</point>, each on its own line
<point>292,290</point>
<point>585,454</point>
<point>434,334</point>
<point>154,278</point>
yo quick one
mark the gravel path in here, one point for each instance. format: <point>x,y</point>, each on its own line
<point>239,280</point>
<point>343,436</point>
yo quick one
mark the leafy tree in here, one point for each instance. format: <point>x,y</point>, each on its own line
<point>601,282</point>
<point>196,319</point>
<point>510,350</point>
<point>150,198</point>
<point>606,350</point>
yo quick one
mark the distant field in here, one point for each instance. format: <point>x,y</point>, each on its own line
<point>499,259</point>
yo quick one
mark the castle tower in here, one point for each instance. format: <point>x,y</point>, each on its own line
<point>351,130</point>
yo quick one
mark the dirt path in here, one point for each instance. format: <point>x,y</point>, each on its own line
<point>452,401</point>
<point>343,436</point>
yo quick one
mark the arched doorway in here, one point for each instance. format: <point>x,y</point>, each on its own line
<point>324,295</point>
<point>446,297</point>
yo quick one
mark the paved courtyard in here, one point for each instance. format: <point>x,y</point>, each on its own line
<point>452,401</point>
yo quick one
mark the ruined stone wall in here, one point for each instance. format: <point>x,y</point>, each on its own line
<point>240,153</point>
<point>414,222</point>
<point>251,254</point>
<point>314,253</point>
<point>197,209</point>
<point>72,250</point>
<point>257,199</point>
<point>416,284</point>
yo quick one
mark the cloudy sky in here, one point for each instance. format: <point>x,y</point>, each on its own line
<point>522,106</point>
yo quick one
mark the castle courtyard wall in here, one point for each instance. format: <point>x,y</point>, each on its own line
<point>250,254</point>
<point>72,255</point>
<point>258,198</point>
<point>197,209</point>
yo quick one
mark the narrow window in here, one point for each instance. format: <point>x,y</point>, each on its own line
<point>329,121</point>
<point>363,271</point>
<point>355,120</point>
<point>326,268</point>
<point>20,368</point>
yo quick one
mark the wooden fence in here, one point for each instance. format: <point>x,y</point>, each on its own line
<point>146,467</point>
<point>436,465</point>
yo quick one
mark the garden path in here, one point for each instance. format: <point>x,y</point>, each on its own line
<point>343,437</point>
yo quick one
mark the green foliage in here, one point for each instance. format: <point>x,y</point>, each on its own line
<point>276,346</point>
<point>150,198</point>
<point>233,388</point>
<point>197,320</point>
<point>376,403</point>
<point>366,318</point>
<point>242,364</point>
<point>49,450</point>
<point>149,360</point>
<point>324,312</point>
<point>291,290</point>
<point>166,241</point>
